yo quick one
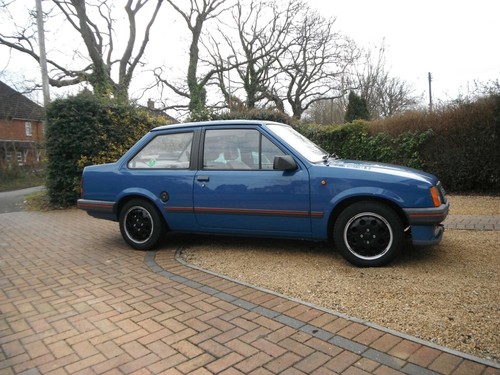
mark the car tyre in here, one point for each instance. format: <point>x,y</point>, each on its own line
<point>368,234</point>
<point>141,225</point>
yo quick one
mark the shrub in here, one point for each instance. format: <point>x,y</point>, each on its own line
<point>459,144</point>
<point>353,141</point>
<point>84,130</point>
<point>256,114</point>
<point>465,150</point>
<point>357,108</point>
<point>20,177</point>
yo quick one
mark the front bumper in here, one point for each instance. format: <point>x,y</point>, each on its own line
<point>425,223</point>
<point>427,216</point>
<point>427,235</point>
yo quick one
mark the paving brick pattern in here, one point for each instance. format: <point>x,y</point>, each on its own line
<point>74,299</point>
<point>473,222</point>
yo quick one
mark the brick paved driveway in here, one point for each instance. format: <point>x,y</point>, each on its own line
<point>74,299</point>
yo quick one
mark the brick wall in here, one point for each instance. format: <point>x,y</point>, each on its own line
<point>16,130</point>
<point>16,146</point>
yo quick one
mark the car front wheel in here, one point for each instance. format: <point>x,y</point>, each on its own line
<point>141,225</point>
<point>368,234</point>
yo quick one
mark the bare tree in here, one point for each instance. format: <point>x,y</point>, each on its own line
<point>385,95</point>
<point>263,30</point>
<point>395,96</point>
<point>199,12</point>
<point>4,4</point>
<point>325,112</point>
<point>286,54</point>
<point>315,63</point>
<point>95,24</point>
<point>489,88</point>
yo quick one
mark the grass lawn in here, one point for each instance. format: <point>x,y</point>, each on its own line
<point>18,178</point>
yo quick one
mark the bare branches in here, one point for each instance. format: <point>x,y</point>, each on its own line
<point>273,53</point>
<point>385,95</point>
<point>126,76</point>
<point>158,73</point>
<point>24,34</point>
<point>195,17</point>
<point>197,14</point>
<point>95,25</point>
<point>315,62</point>
<point>283,54</point>
<point>263,40</point>
<point>22,42</point>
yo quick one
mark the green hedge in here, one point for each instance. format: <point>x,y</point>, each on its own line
<point>459,144</point>
<point>83,130</point>
<point>465,152</point>
<point>353,141</point>
<point>255,114</point>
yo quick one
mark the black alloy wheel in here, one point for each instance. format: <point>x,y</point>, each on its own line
<point>368,234</point>
<point>141,225</point>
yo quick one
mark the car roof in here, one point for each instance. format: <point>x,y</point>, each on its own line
<point>215,123</point>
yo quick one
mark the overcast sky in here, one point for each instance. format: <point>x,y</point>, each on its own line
<point>458,41</point>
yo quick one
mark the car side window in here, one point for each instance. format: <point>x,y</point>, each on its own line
<point>238,149</point>
<point>165,151</point>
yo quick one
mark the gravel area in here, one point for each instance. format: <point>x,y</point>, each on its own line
<point>447,294</point>
<point>474,205</point>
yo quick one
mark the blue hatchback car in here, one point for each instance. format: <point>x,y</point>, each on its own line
<point>258,178</point>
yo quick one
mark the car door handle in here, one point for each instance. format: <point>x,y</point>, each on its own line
<point>202,178</point>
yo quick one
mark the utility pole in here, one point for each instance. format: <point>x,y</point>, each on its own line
<point>43,54</point>
<point>430,92</point>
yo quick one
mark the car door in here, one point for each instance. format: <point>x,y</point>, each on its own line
<point>237,190</point>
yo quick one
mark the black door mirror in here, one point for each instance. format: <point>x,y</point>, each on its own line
<point>284,163</point>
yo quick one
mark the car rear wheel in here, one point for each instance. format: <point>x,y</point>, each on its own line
<point>141,225</point>
<point>368,234</point>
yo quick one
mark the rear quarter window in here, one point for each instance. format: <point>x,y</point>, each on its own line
<point>165,151</point>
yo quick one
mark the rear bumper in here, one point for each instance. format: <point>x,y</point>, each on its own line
<point>98,209</point>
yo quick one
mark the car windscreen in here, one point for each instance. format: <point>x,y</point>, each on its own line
<point>299,143</point>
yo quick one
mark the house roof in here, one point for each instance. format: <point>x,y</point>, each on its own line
<point>14,105</point>
<point>159,112</point>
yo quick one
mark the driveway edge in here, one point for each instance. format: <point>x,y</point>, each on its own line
<point>326,336</point>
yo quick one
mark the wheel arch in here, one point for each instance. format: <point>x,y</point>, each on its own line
<point>127,198</point>
<point>343,204</point>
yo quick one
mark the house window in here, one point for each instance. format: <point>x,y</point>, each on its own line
<point>28,128</point>
<point>19,157</point>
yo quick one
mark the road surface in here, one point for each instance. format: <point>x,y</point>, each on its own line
<point>12,201</point>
